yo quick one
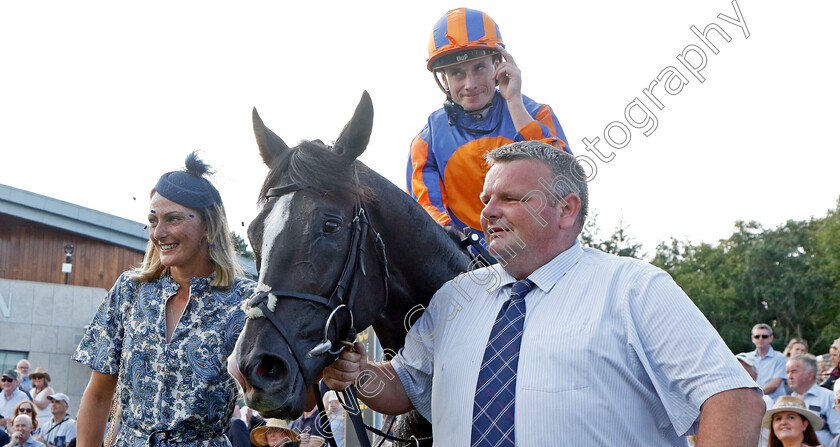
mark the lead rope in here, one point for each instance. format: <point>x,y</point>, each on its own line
<point>351,405</point>
<point>322,413</point>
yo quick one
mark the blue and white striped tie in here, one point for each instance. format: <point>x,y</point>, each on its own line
<point>495,392</point>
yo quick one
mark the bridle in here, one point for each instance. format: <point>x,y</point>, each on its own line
<point>343,296</point>
<point>342,299</point>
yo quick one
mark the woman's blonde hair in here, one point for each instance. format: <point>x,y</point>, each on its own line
<point>794,341</point>
<point>220,248</point>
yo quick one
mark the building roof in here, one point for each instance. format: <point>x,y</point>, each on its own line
<point>85,221</point>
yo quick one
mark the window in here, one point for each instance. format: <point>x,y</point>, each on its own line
<point>9,359</point>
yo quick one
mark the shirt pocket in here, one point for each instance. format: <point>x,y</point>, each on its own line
<point>556,359</point>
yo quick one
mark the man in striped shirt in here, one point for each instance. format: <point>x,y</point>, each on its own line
<point>612,351</point>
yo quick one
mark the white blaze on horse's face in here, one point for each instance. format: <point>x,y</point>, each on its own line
<point>272,226</point>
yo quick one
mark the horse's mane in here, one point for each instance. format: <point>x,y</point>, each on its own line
<point>312,165</point>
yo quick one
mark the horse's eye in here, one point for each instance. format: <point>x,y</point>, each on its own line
<point>332,226</point>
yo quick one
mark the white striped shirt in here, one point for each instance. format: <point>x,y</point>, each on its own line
<point>613,353</point>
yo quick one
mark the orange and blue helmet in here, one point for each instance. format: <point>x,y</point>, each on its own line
<point>460,35</point>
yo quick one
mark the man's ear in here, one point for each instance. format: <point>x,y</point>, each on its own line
<point>570,208</point>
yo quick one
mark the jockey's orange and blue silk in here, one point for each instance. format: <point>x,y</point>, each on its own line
<point>446,166</point>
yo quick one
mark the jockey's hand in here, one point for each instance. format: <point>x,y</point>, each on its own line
<point>509,77</point>
<point>344,371</point>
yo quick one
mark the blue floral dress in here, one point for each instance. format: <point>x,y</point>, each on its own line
<point>182,387</point>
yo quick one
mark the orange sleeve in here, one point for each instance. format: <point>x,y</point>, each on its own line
<point>533,130</point>
<point>431,197</point>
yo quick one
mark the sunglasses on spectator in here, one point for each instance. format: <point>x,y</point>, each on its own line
<point>24,410</point>
<point>757,336</point>
<point>6,379</point>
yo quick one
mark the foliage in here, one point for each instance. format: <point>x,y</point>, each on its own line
<point>619,243</point>
<point>240,246</point>
<point>786,277</point>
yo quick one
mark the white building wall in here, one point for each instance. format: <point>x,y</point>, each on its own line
<point>47,321</point>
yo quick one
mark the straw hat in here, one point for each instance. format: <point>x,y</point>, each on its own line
<point>258,435</point>
<point>796,405</point>
<point>40,371</point>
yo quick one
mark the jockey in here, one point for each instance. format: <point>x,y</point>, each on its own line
<point>446,165</point>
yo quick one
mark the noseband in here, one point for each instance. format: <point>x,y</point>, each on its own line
<point>343,296</point>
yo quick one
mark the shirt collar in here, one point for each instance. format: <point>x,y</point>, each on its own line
<point>199,286</point>
<point>549,274</point>
<point>770,352</point>
<point>811,390</point>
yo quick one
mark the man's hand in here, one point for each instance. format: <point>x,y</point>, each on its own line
<point>509,77</point>
<point>15,439</point>
<point>343,372</point>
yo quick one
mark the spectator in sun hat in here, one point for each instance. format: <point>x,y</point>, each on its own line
<point>275,433</point>
<point>10,396</point>
<point>446,167</point>
<point>61,429</point>
<point>41,389</point>
<point>791,424</point>
<point>174,387</point>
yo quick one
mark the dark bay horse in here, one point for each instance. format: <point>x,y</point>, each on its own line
<point>338,248</point>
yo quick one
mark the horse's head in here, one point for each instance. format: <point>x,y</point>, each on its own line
<point>322,269</point>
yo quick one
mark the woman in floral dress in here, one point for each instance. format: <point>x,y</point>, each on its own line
<point>165,330</point>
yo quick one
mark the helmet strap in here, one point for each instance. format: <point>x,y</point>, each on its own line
<point>440,84</point>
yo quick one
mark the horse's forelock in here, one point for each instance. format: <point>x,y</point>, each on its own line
<point>313,165</point>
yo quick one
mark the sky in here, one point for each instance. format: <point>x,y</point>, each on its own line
<point>98,99</point>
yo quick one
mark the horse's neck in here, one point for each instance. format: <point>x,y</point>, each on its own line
<point>421,257</point>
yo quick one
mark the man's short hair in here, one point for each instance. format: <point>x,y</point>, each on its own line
<point>807,361</point>
<point>763,326</point>
<point>568,175</point>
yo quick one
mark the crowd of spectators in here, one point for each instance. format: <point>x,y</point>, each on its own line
<point>32,414</point>
<point>249,429</point>
<point>801,391</point>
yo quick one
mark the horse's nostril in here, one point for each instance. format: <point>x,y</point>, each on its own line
<point>271,368</point>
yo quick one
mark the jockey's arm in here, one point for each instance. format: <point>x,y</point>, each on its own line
<point>378,385</point>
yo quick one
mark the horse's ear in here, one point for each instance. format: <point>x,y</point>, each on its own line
<point>271,146</point>
<point>355,136</point>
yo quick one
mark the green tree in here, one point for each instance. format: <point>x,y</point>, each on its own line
<point>786,277</point>
<point>619,243</point>
<point>827,236</point>
<point>240,246</point>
